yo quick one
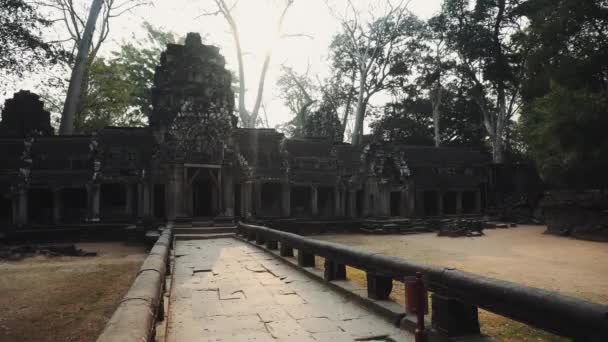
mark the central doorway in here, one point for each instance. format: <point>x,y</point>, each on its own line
<point>203,201</point>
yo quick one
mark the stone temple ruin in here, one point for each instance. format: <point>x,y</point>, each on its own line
<point>193,161</point>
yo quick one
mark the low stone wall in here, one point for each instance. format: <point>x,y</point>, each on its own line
<point>455,295</point>
<point>136,315</point>
<point>582,215</point>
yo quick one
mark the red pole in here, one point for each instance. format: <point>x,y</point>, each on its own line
<point>421,334</point>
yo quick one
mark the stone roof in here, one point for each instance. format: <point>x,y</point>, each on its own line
<point>436,156</point>
<point>309,147</point>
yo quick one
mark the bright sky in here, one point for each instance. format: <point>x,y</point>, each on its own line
<point>256,20</point>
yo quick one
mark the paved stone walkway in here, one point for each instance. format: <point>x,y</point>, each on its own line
<point>226,290</point>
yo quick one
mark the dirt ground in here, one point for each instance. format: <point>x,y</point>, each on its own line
<point>523,254</point>
<point>65,298</point>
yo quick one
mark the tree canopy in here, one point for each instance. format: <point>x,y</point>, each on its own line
<point>565,92</point>
<point>22,46</point>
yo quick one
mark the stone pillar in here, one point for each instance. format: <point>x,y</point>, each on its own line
<point>147,199</point>
<point>57,206</point>
<point>334,271</point>
<point>15,207</point>
<point>379,286</point>
<point>337,202</point>
<point>228,194</point>
<point>22,207</point>
<point>175,192</point>
<point>94,207</point>
<point>246,200</point>
<point>140,200</point>
<point>129,199</point>
<point>404,208</point>
<point>478,201</point>
<point>440,203</point>
<point>366,210</point>
<point>384,200</point>
<point>314,200</point>
<point>459,203</point>
<point>352,203</point>
<point>285,199</point>
<point>257,198</point>
<point>411,199</point>
<point>452,318</point>
<point>305,259</point>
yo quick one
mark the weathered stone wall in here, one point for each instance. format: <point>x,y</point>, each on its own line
<point>582,215</point>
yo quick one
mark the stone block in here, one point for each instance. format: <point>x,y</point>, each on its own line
<point>306,259</point>
<point>379,286</point>
<point>272,245</point>
<point>286,250</point>
<point>334,271</point>
<point>453,318</point>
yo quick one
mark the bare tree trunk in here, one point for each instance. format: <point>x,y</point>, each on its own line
<point>78,72</point>
<point>260,95</point>
<point>360,112</point>
<point>436,103</point>
<point>242,89</point>
<point>348,105</point>
<point>498,143</point>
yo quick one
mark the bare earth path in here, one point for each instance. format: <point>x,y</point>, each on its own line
<point>65,298</point>
<point>523,254</point>
<point>226,290</point>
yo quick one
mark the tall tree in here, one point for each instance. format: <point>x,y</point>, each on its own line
<point>436,69</point>
<point>226,10</point>
<point>80,31</point>
<point>379,47</point>
<point>297,93</point>
<point>565,93</point>
<point>411,120</point>
<point>72,98</point>
<point>491,58</point>
<point>22,47</point>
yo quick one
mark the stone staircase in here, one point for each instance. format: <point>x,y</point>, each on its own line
<point>203,228</point>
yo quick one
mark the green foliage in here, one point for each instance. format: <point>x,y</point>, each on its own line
<point>109,98</point>
<point>140,61</point>
<point>565,114</point>
<point>566,133</point>
<point>323,122</point>
<point>21,45</point>
<point>410,121</point>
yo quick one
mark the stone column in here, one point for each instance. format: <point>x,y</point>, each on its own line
<point>246,199</point>
<point>384,200</point>
<point>57,206</point>
<point>129,199</point>
<point>257,198</point>
<point>478,201</point>
<point>404,207</point>
<point>228,194</point>
<point>94,207</point>
<point>411,199</point>
<point>314,200</point>
<point>459,202</point>
<point>285,199</point>
<point>440,203</point>
<point>15,207</point>
<point>146,200</point>
<point>352,203</point>
<point>337,202</point>
<point>174,191</point>
<point>140,200</point>
<point>366,210</point>
<point>22,207</point>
